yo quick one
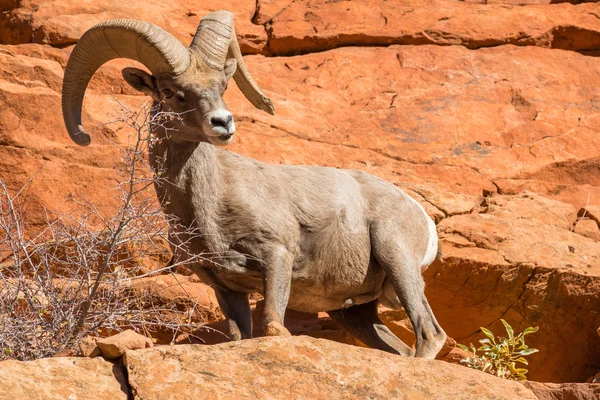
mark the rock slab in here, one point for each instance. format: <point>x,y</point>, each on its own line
<point>303,368</point>
<point>62,378</point>
<point>564,391</point>
<point>115,346</point>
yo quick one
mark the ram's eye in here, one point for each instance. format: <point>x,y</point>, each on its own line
<point>167,93</point>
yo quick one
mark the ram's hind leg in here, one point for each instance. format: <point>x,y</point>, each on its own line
<point>363,323</point>
<point>405,274</point>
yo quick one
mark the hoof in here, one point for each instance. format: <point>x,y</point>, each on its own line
<point>276,329</point>
<point>432,346</point>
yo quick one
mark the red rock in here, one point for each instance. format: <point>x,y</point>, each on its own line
<point>519,260</point>
<point>592,211</point>
<point>303,26</point>
<point>180,290</point>
<point>115,346</point>
<point>303,367</point>
<point>65,353</point>
<point>564,391</point>
<point>588,228</point>
<point>467,293</point>
<point>62,22</point>
<point>525,2</point>
<point>89,347</point>
<point>321,326</point>
<point>575,193</point>
<point>506,227</point>
<point>179,300</point>
<point>527,279</point>
<point>62,378</point>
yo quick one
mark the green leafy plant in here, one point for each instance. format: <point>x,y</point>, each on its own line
<point>500,355</point>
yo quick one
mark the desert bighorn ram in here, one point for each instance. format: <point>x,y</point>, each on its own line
<point>308,238</point>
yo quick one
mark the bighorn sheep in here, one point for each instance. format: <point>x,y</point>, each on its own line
<point>308,238</point>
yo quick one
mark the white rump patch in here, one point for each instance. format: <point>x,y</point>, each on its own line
<point>432,240</point>
<point>432,244</point>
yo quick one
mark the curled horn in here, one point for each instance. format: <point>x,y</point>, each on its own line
<point>216,41</point>
<point>149,44</point>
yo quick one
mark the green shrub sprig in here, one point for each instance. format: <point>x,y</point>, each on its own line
<point>500,355</point>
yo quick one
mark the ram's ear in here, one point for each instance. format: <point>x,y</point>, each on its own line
<point>141,81</point>
<point>230,67</point>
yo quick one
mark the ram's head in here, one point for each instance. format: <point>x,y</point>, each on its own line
<point>188,81</point>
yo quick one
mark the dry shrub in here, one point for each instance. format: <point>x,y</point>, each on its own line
<point>73,277</point>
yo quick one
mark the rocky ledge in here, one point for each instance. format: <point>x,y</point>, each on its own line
<point>266,368</point>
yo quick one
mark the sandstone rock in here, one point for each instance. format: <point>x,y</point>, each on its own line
<point>524,295</point>
<point>173,294</point>
<point>62,378</point>
<point>454,356</point>
<point>62,22</point>
<point>181,291</point>
<point>309,26</point>
<point>588,228</point>
<point>278,27</point>
<point>115,346</point>
<point>573,193</point>
<point>526,2</point>
<point>89,347</point>
<point>303,368</point>
<point>177,287</point>
<point>33,142</point>
<point>506,227</point>
<point>593,212</point>
<point>564,391</point>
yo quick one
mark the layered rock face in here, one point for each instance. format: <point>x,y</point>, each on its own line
<point>487,114</point>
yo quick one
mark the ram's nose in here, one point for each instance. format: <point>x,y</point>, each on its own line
<point>221,122</point>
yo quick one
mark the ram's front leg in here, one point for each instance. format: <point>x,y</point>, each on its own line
<point>277,280</point>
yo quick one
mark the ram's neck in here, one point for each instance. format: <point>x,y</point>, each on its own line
<point>188,181</point>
